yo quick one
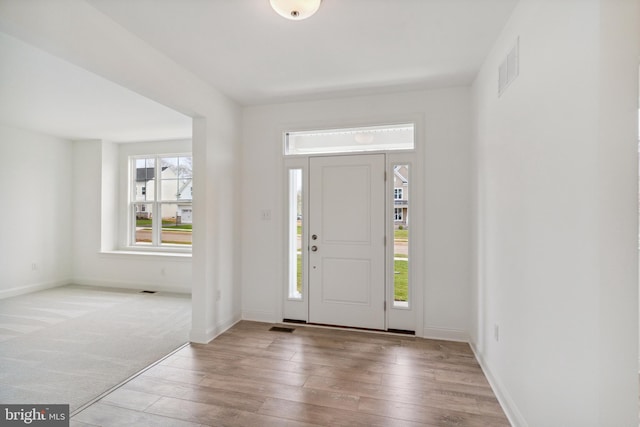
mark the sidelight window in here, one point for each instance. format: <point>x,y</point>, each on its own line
<point>401,231</point>
<point>295,234</point>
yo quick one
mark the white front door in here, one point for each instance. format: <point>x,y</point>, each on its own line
<point>346,241</point>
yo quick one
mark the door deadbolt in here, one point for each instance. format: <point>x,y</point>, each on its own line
<point>314,248</point>
<point>314,237</point>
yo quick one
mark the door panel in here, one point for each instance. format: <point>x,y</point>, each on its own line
<point>346,281</point>
<point>347,256</point>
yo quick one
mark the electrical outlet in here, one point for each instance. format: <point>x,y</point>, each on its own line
<point>266,214</point>
<point>34,266</point>
<point>496,332</point>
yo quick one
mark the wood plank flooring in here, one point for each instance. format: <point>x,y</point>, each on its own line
<point>250,376</point>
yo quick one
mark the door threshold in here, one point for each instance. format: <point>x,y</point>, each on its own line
<point>351,328</point>
<point>293,321</point>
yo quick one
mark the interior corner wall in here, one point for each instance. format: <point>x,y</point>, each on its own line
<point>36,213</point>
<point>217,211</point>
<point>109,196</point>
<point>555,322</point>
<point>445,147</point>
<point>98,169</point>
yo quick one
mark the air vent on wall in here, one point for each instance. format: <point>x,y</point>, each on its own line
<point>509,68</point>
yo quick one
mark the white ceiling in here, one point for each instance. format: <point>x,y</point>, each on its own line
<point>348,47</point>
<point>246,50</point>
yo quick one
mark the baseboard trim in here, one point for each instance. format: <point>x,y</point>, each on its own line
<point>130,285</point>
<point>506,402</point>
<point>202,337</point>
<point>27,289</point>
<point>261,316</point>
<point>205,337</point>
<point>229,324</point>
<point>445,334</point>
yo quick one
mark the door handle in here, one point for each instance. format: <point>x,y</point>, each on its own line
<point>314,248</point>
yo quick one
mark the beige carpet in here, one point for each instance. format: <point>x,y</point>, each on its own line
<point>70,344</point>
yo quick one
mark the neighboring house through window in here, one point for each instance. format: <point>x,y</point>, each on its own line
<point>401,195</point>
<point>397,193</point>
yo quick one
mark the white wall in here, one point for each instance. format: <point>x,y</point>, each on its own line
<point>80,34</point>
<point>556,209</point>
<point>36,217</point>
<point>444,119</point>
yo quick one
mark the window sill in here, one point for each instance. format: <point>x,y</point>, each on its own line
<point>128,253</point>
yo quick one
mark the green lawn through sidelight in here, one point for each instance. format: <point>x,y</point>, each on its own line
<point>402,235</point>
<point>400,279</point>
<point>165,224</point>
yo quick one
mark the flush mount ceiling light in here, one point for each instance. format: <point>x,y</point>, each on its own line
<point>295,9</point>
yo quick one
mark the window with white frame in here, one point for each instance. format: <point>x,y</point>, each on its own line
<point>350,140</point>
<point>160,210</point>
<point>397,214</point>
<point>397,193</point>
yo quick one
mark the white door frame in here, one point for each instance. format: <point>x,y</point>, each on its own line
<point>395,318</point>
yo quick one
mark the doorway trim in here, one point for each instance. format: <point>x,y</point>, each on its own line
<point>298,309</point>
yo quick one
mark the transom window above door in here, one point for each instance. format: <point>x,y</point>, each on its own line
<point>350,140</point>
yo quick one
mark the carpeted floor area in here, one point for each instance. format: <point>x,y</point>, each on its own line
<point>71,344</point>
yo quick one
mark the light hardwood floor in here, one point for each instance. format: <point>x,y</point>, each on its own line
<point>250,376</point>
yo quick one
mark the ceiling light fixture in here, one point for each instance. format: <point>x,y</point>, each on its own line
<point>295,9</point>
